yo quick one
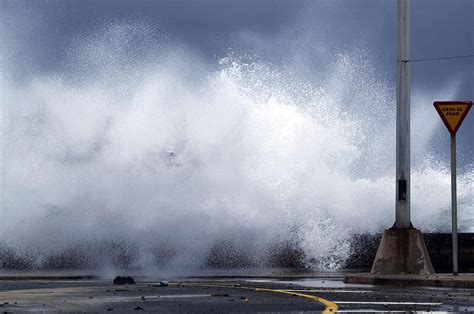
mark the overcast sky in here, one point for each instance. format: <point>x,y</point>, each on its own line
<point>37,36</point>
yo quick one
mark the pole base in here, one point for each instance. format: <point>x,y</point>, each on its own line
<point>402,251</point>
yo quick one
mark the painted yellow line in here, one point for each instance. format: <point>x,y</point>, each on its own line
<point>331,307</point>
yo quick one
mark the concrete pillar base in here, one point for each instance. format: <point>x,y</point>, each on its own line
<point>402,251</point>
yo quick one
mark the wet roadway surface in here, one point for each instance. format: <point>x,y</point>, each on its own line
<point>219,295</point>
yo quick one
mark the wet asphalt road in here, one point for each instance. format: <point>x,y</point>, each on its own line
<point>219,295</point>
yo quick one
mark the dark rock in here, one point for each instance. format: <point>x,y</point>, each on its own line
<point>138,308</point>
<point>119,280</point>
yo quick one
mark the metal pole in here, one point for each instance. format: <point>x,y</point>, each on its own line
<point>402,212</point>
<point>454,210</point>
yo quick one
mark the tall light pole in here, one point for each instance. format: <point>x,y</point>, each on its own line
<point>402,207</point>
<point>402,249</point>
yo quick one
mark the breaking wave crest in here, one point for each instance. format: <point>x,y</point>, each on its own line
<point>148,157</point>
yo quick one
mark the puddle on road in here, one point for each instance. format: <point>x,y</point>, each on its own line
<point>312,283</point>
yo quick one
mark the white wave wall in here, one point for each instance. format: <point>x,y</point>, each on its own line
<point>167,150</point>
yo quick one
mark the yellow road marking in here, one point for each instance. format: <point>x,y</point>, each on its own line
<point>331,307</point>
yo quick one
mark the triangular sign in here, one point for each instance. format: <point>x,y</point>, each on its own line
<point>452,113</point>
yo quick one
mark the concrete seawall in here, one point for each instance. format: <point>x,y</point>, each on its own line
<point>123,255</point>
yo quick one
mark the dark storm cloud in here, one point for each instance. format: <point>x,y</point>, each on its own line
<point>439,27</point>
<point>205,26</point>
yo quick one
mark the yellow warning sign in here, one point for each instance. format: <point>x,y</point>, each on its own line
<point>452,113</point>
